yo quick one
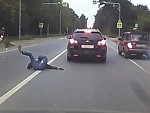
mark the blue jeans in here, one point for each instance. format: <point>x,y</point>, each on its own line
<point>37,64</point>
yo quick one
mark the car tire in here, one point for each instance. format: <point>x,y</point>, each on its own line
<point>69,58</point>
<point>148,56</point>
<point>119,52</point>
<point>126,55</point>
<point>103,60</point>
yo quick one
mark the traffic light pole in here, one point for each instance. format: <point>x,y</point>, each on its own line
<point>60,20</point>
<point>119,9</point>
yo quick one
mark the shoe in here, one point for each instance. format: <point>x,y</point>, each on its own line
<point>20,48</point>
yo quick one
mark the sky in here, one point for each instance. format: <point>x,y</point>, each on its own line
<point>89,10</point>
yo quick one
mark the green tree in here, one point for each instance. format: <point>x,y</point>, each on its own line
<point>107,17</point>
<point>34,12</point>
<point>83,21</point>
<point>143,15</point>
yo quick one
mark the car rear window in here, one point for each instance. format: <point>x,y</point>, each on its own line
<point>92,36</point>
<point>140,37</point>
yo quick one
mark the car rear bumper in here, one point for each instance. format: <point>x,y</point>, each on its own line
<point>87,53</point>
<point>139,51</point>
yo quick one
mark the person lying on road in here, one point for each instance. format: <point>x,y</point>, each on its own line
<point>39,63</point>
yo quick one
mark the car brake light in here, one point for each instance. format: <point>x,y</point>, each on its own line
<point>72,41</point>
<point>129,45</point>
<point>2,36</point>
<point>102,42</point>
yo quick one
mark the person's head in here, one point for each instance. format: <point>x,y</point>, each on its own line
<point>41,57</point>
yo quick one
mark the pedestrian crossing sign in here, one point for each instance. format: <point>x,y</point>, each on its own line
<point>119,24</point>
<point>41,25</point>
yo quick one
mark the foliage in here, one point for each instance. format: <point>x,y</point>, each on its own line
<point>107,17</point>
<point>34,12</point>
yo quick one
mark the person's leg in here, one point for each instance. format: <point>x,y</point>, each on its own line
<point>52,67</point>
<point>29,55</point>
<point>33,62</point>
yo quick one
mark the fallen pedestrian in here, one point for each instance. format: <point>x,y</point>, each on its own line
<point>39,63</point>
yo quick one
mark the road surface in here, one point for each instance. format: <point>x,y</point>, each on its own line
<point>119,86</point>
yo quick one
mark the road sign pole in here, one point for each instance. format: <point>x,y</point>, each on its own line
<point>119,9</point>
<point>40,32</point>
<point>119,32</point>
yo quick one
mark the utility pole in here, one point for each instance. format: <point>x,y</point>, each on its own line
<point>20,20</point>
<point>60,22</point>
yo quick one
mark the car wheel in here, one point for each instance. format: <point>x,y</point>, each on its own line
<point>119,52</point>
<point>148,56</point>
<point>68,58</point>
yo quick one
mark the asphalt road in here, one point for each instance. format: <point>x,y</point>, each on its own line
<point>119,86</point>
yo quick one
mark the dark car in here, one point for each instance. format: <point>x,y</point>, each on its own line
<point>134,43</point>
<point>87,43</point>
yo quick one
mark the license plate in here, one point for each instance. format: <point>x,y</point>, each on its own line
<point>140,45</point>
<point>87,46</point>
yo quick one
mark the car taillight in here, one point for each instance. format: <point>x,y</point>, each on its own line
<point>72,41</point>
<point>130,45</point>
<point>102,42</point>
<point>2,36</point>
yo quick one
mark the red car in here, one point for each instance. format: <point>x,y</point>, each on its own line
<point>134,43</point>
<point>87,43</point>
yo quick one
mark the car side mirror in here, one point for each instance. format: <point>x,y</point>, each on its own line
<point>120,39</point>
<point>69,37</point>
<point>104,38</point>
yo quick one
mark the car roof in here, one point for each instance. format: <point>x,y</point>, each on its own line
<point>83,30</point>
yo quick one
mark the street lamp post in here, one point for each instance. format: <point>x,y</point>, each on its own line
<point>119,9</point>
<point>60,22</point>
<point>73,16</point>
<point>20,20</point>
<point>60,14</point>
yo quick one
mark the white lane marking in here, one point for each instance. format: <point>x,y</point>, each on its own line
<point>60,38</point>
<point>90,111</point>
<point>133,62</point>
<point>112,48</point>
<point>4,97</point>
<point>17,49</point>
<point>139,66</point>
<point>57,57</point>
